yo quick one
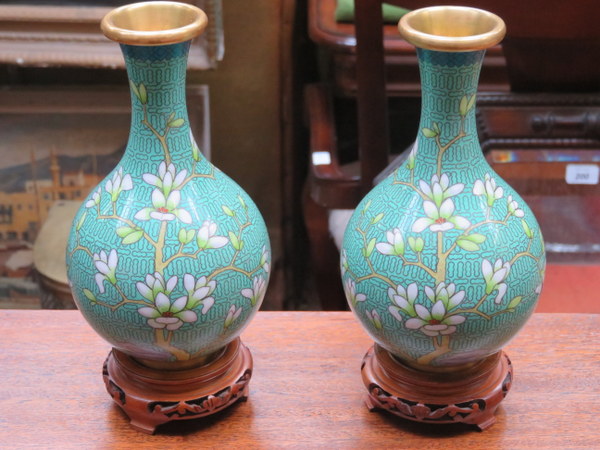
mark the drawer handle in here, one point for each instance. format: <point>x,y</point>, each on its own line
<point>585,124</point>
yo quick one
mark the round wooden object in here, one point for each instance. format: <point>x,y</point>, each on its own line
<point>151,397</point>
<point>470,395</point>
<point>49,256</point>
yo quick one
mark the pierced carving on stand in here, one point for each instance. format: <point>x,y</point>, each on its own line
<point>115,391</point>
<point>207,404</point>
<point>381,399</point>
<point>507,383</point>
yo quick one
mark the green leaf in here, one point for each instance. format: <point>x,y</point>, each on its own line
<point>195,151</point>
<point>123,232</point>
<point>143,94</point>
<point>514,302</point>
<point>171,117</point>
<point>526,229</point>
<point>429,133</point>
<point>228,211</point>
<point>81,220</point>
<point>471,102</point>
<point>176,123</point>
<point>462,109</point>
<point>412,243</point>
<point>242,202</point>
<point>133,237</point>
<point>134,89</point>
<point>467,245</point>
<point>370,248</point>
<point>366,207</point>
<point>182,236</point>
<point>420,244</point>
<point>377,324</point>
<point>190,235</point>
<point>475,238</point>
<point>90,295</point>
<point>235,242</point>
<point>436,127</point>
<point>377,218</point>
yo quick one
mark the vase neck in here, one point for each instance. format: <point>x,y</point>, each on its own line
<point>447,133</point>
<point>160,129</point>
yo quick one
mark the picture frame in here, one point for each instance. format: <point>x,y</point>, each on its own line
<point>65,33</point>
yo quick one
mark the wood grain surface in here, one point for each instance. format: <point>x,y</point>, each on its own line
<point>306,391</point>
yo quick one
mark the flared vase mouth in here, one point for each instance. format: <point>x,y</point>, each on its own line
<point>154,23</point>
<point>452,28</point>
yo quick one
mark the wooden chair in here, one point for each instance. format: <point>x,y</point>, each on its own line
<point>538,32</point>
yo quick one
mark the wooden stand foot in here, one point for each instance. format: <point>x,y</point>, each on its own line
<point>470,395</point>
<point>151,397</point>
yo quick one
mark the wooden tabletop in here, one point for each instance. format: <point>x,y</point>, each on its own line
<point>306,390</point>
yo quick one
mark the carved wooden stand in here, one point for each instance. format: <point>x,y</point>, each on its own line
<point>468,396</point>
<point>151,397</point>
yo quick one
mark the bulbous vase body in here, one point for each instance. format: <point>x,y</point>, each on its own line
<point>168,258</point>
<point>443,261</point>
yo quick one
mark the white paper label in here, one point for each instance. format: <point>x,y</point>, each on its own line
<point>582,174</point>
<point>321,158</point>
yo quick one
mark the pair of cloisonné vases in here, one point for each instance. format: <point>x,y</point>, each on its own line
<point>169,258</point>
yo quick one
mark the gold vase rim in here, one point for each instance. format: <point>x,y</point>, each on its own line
<point>452,28</point>
<point>154,23</point>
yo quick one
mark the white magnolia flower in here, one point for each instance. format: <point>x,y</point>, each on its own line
<point>95,200</point>
<point>495,277</point>
<point>489,189</point>
<point>394,245</point>
<point>446,294</point>
<point>351,295</point>
<point>118,183</point>
<point>156,284</point>
<point>343,262</point>
<point>264,259</point>
<point>106,266</point>
<point>374,318</point>
<point>164,208</point>
<point>440,189</point>
<point>440,219</point>
<point>199,292</point>
<point>167,180</point>
<point>206,236</point>
<point>513,207</point>
<point>232,315</point>
<point>434,322</point>
<point>165,314</point>
<point>403,300</point>
<point>256,294</point>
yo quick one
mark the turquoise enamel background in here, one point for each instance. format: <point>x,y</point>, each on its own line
<point>168,258</point>
<point>443,261</point>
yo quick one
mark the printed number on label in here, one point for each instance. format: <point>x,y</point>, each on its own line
<point>582,174</point>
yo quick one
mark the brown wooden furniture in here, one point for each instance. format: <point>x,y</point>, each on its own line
<point>306,390</point>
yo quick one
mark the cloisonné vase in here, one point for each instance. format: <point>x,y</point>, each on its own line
<point>168,258</point>
<point>443,261</point>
